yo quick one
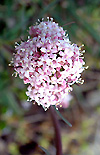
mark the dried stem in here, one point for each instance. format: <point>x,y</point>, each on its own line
<point>57,131</point>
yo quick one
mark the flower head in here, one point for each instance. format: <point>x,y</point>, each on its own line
<point>48,63</point>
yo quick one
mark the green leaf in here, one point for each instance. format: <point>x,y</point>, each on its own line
<point>72,11</point>
<point>2,124</point>
<point>8,99</point>
<point>62,117</point>
<point>43,149</point>
<point>48,7</point>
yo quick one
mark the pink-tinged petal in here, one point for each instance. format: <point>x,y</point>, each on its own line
<point>43,49</point>
<point>65,101</point>
<point>26,80</point>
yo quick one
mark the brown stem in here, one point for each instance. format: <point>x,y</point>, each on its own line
<point>57,131</point>
<point>8,48</point>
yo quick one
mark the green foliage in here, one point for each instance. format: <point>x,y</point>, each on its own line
<point>42,148</point>
<point>15,19</point>
<point>62,117</point>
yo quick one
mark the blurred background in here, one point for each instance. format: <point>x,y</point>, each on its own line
<point>24,126</point>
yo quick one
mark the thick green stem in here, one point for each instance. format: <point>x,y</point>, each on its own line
<point>57,131</point>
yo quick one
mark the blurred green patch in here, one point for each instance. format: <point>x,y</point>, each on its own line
<point>81,19</point>
<point>2,124</point>
<point>13,149</point>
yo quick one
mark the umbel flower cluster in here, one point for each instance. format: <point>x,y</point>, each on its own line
<point>49,64</point>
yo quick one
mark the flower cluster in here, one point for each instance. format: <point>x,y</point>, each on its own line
<point>48,63</point>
